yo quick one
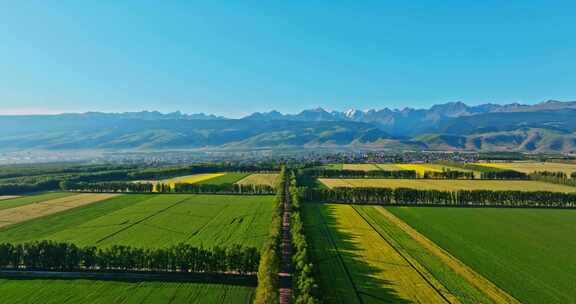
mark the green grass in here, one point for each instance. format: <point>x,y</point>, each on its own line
<point>155,221</point>
<point>453,282</point>
<point>26,200</point>
<point>106,292</point>
<point>529,253</point>
<point>228,178</point>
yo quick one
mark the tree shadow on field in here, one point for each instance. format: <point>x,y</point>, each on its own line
<point>363,277</point>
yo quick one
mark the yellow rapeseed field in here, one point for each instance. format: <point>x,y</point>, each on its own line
<point>419,168</point>
<point>448,185</point>
<point>188,179</point>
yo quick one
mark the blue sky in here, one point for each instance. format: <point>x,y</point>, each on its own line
<point>235,57</point>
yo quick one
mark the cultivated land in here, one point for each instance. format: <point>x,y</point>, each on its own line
<point>30,211</point>
<point>106,292</point>
<point>357,265</point>
<point>155,221</point>
<point>26,200</point>
<point>529,253</point>
<point>228,178</point>
<point>260,179</point>
<point>448,185</point>
<point>360,167</point>
<point>530,167</point>
<point>420,168</point>
<point>460,280</point>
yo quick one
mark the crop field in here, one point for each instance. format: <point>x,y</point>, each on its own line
<point>27,212</point>
<point>107,292</point>
<point>260,179</point>
<point>357,265</point>
<point>228,178</point>
<point>388,167</point>
<point>459,280</point>
<point>361,167</point>
<point>155,221</point>
<point>530,167</point>
<point>32,199</point>
<point>420,168</point>
<point>449,185</point>
<point>528,253</point>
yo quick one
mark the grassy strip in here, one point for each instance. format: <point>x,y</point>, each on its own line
<point>34,291</point>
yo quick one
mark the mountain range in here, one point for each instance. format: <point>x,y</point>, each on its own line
<point>544,127</point>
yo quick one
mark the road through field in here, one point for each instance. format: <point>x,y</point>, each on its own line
<point>496,294</point>
<point>357,265</point>
<point>27,212</point>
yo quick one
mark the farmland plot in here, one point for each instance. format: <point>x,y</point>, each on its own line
<point>531,167</point>
<point>107,292</point>
<point>260,179</point>
<point>528,253</point>
<point>361,167</point>
<point>228,178</point>
<point>156,221</point>
<point>31,211</point>
<point>449,185</point>
<point>465,284</point>
<point>357,265</point>
<point>11,202</point>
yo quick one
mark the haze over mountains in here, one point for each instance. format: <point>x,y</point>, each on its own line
<point>545,127</point>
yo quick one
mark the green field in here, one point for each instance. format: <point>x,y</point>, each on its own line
<point>452,281</point>
<point>529,253</point>
<point>108,292</point>
<point>155,221</point>
<point>357,265</point>
<point>228,178</point>
<point>27,200</point>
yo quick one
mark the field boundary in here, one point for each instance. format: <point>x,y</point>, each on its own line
<point>475,279</point>
<point>422,275</point>
<point>216,278</point>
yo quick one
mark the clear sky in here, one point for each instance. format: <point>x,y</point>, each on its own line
<point>234,57</point>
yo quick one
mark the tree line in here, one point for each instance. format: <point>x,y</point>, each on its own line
<point>306,290</point>
<point>405,196</point>
<point>267,289</point>
<point>411,174</point>
<point>61,256</point>
<point>121,187</point>
<point>554,177</point>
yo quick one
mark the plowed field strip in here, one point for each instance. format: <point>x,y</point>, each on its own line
<point>492,291</point>
<point>27,212</point>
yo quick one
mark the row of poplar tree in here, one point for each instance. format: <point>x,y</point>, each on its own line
<point>405,196</point>
<point>167,188</point>
<point>49,255</point>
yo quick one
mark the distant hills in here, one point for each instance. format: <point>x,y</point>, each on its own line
<point>545,127</point>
